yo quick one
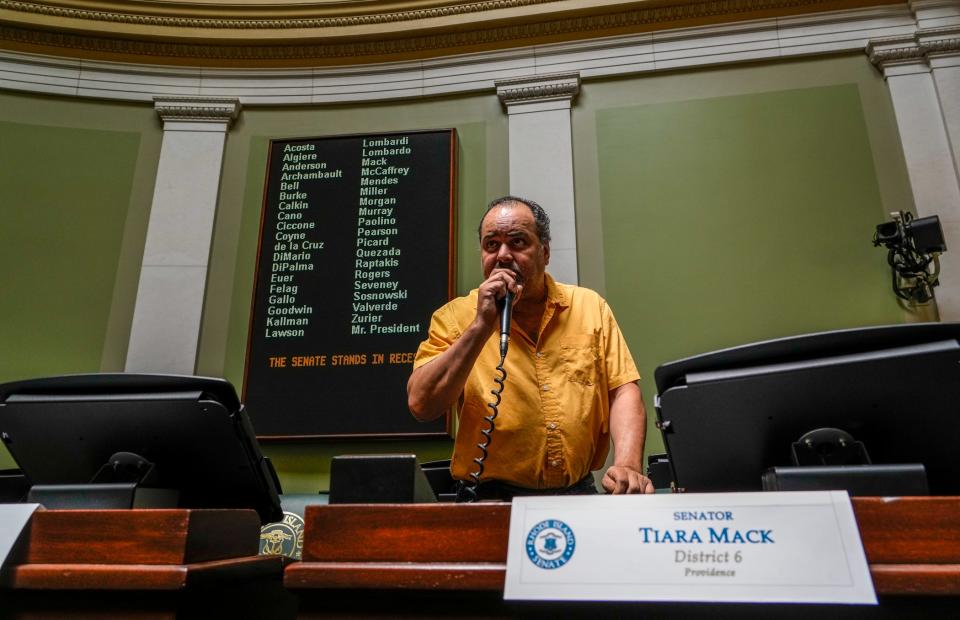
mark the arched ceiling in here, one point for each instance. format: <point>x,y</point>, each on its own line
<point>304,33</point>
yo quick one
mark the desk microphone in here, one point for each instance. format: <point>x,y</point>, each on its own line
<point>505,322</point>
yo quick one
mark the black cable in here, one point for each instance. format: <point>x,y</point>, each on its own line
<point>911,278</point>
<point>470,488</point>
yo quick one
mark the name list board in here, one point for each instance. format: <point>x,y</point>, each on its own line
<point>356,252</point>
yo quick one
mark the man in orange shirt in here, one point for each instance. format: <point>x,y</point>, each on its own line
<point>571,383</point>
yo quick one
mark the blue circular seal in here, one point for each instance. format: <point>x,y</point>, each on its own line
<point>550,544</point>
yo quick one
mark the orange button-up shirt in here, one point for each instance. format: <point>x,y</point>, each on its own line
<point>553,425</point>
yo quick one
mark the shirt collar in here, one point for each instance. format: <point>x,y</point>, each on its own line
<point>555,295</point>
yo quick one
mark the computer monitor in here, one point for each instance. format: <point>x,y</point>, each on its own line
<point>189,436</point>
<point>728,416</point>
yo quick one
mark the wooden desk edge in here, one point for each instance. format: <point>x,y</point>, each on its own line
<point>916,579</point>
<point>888,579</point>
<point>389,575</point>
<point>138,576</point>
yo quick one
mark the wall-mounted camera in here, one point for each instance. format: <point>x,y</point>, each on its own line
<point>913,247</point>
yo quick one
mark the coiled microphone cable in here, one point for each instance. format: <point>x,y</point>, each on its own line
<point>470,488</point>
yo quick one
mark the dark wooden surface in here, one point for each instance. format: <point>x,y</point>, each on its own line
<point>140,536</point>
<point>406,532</point>
<point>138,550</point>
<point>143,564</point>
<point>420,546</point>
<point>140,576</point>
<point>911,543</point>
<point>912,546</point>
<point>417,560</point>
<point>459,576</point>
<point>909,530</point>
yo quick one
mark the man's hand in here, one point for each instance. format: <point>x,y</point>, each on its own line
<point>620,479</point>
<point>628,425</point>
<point>492,290</point>
<point>434,387</point>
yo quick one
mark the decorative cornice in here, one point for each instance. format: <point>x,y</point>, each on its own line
<point>886,51</point>
<point>205,109</point>
<point>915,48</point>
<point>428,32</point>
<point>941,46</point>
<point>624,55</point>
<point>551,87</point>
<point>278,21</point>
<point>939,41</point>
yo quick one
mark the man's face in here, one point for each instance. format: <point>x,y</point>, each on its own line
<point>508,238</point>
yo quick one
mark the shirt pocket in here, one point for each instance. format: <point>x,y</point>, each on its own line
<point>580,359</point>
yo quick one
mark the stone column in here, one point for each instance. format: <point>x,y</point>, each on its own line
<point>924,108</point>
<point>166,318</point>
<point>541,157</point>
<point>941,47</point>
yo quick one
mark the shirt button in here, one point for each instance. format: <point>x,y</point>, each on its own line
<point>554,463</point>
<point>546,388</point>
<point>552,426</point>
<point>539,353</point>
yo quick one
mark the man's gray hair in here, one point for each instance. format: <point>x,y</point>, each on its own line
<point>540,216</point>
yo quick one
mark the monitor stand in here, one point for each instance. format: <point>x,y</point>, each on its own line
<point>122,482</point>
<point>830,459</point>
<point>858,480</point>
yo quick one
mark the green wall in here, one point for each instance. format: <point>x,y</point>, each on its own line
<point>481,126</point>
<point>737,205</point>
<point>75,183</point>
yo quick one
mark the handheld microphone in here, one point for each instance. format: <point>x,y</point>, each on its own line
<point>505,322</point>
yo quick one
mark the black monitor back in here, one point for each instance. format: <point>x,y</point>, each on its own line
<point>61,430</point>
<point>729,415</point>
<point>378,479</point>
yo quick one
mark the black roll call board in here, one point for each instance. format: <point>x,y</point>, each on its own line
<point>356,252</point>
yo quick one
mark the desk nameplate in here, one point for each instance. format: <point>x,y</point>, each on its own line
<point>736,547</point>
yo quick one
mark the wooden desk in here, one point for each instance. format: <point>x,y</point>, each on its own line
<point>912,545</point>
<point>148,563</point>
<point>420,546</point>
<point>386,560</point>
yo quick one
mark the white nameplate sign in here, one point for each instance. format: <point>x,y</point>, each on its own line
<point>13,520</point>
<point>734,547</point>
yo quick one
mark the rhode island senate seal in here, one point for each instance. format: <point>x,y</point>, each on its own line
<point>550,544</point>
<point>283,537</point>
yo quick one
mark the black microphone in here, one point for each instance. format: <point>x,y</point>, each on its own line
<point>505,322</point>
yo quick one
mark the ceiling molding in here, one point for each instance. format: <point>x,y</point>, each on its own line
<point>801,36</point>
<point>278,15</point>
<point>335,33</point>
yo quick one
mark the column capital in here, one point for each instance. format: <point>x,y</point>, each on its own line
<point>939,41</point>
<point>535,89</point>
<point>197,109</point>
<point>913,53</point>
<point>900,54</point>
